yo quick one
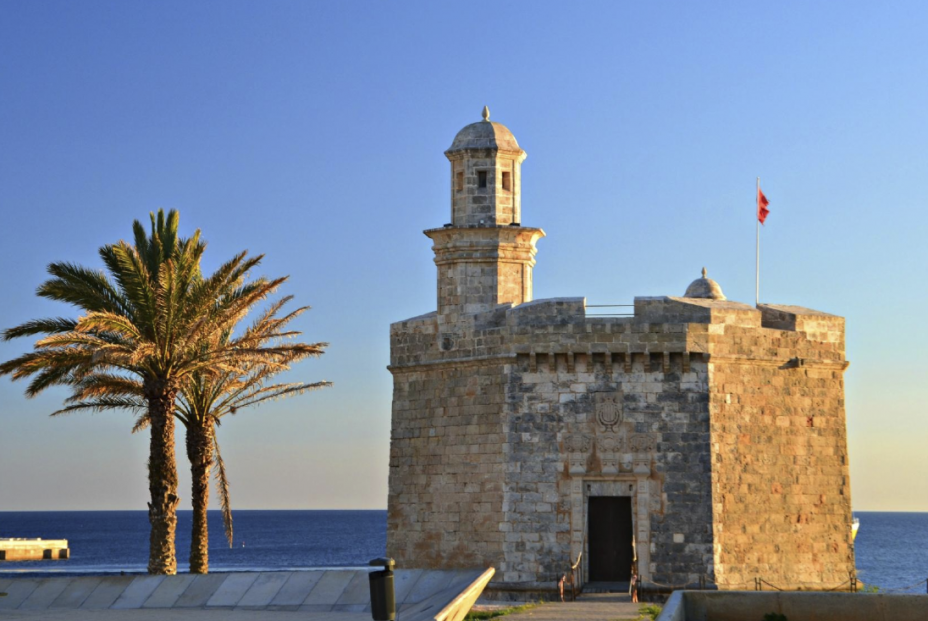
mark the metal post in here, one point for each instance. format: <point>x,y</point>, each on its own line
<point>757,246</point>
<point>383,596</point>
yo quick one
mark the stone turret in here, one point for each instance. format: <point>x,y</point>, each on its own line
<point>484,255</point>
<point>700,439</point>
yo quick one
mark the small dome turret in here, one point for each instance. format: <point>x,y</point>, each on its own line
<point>704,288</point>
<point>484,134</point>
<point>486,175</point>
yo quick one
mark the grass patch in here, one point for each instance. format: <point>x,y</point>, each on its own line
<point>475,615</point>
<point>649,612</point>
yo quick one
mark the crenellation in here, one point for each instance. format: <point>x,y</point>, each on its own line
<point>714,429</point>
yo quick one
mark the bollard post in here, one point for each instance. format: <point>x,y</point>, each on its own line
<point>383,597</point>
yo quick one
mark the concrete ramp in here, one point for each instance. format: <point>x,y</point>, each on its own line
<point>421,595</point>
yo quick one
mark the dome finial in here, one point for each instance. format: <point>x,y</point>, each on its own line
<point>705,288</point>
<point>486,113</point>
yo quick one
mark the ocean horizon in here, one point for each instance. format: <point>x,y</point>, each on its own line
<point>891,547</point>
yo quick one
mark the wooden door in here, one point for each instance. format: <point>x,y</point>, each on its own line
<point>610,538</point>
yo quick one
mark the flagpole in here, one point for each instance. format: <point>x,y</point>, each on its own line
<point>757,246</point>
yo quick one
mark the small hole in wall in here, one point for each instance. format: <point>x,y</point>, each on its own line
<point>459,181</point>
<point>631,487</point>
<point>481,178</point>
<point>507,182</point>
<point>810,421</point>
<point>589,487</point>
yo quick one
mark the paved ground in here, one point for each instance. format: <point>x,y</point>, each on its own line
<point>592,607</point>
<point>43,599</point>
<point>180,615</point>
<point>343,591</point>
<point>589,607</point>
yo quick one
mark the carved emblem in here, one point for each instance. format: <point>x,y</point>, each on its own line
<point>642,443</point>
<point>610,443</point>
<point>608,407</point>
<point>448,341</point>
<point>608,446</point>
<point>578,443</point>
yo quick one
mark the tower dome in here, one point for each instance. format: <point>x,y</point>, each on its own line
<point>484,254</point>
<point>484,134</point>
<point>486,175</point>
<point>704,288</point>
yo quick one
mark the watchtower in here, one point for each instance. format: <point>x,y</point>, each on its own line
<point>484,255</point>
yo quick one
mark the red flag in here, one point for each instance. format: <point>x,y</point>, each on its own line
<point>762,203</point>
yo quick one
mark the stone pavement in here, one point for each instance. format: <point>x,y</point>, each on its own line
<point>316,595</point>
<point>588,607</point>
<point>175,614</point>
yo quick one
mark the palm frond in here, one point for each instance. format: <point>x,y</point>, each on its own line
<point>141,423</point>
<point>105,403</point>
<point>278,391</point>
<point>87,289</point>
<point>52,325</point>
<point>222,488</point>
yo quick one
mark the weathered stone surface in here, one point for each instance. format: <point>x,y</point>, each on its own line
<point>105,593</point>
<point>138,591</point>
<point>265,588</point>
<point>200,590</point>
<point>232,589</point>
<point>296,588</point>
<point>723,423</point>
<point>44,594</point>
<point>169,591</point>
<point>77,591</point>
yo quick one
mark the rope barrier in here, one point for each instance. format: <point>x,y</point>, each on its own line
<point>813,585</point>
<point>901,589</point>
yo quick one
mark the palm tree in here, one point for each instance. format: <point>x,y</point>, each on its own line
<point>148,319</point>
<point>204,399</point>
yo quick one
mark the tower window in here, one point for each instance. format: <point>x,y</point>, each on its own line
<point>481,178</point>
<point>459,181</point>
<point>507,181</point>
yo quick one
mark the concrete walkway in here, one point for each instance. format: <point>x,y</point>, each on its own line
<point>180,615</point>
<point>199,596</point>
<point>588,607</point>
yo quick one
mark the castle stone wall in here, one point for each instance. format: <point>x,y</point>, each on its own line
<point>505,426</point>
<point>782,505</point>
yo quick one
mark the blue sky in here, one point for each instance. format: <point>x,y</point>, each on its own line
<point>314,133</point>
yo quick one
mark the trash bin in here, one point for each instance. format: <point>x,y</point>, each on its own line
<point>383,598</point>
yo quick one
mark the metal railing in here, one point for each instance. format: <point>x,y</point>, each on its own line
<point>610,306</point>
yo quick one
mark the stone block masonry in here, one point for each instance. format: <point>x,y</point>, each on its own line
<point>697,440</point>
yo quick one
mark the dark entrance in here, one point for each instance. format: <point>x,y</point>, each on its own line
<point>610,538</point>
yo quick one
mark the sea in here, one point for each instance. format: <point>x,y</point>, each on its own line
<point>891,548</point>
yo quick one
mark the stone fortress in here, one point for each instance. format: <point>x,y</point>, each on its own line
<point>701,438</point>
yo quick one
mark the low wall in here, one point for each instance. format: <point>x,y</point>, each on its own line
<point>795,606</point>
<point>421,595</point>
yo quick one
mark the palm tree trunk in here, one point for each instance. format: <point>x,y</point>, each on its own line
<point>200,454</point>
<point>162,479</point>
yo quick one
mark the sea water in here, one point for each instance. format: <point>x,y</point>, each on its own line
<point>891,548</point>
<point>117,541</point>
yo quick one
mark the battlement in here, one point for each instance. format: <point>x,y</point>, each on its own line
<point>528,433</point>
<point>661,326</point>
